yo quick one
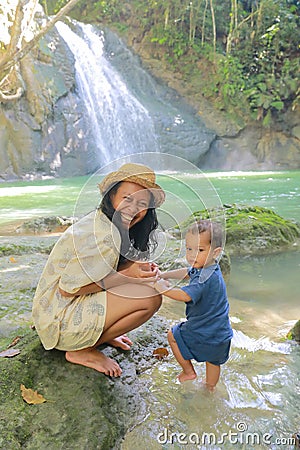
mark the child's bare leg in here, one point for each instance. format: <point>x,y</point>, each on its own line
<point>212,376</point>
<point>188,371</point>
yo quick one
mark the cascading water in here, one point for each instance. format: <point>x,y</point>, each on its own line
<point>120,124</point>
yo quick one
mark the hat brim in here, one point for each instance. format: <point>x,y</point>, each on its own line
<point>115,177</point>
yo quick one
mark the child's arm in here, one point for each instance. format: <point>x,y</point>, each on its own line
<point>162,286</point>
<point>178,274</point>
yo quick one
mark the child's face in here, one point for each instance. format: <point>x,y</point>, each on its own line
<point>198,250</point>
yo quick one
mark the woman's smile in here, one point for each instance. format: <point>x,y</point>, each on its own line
<point>132,201</point>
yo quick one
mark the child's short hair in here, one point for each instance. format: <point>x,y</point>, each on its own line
<point>214,229</point>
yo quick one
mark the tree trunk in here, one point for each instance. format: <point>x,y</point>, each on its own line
<point>203,22</point>
<point>213,25</point>
<point>13,57</point>
<point>16,31</point>
<point>231,28</point>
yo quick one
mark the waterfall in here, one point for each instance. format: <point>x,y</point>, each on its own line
<point>119,123</point>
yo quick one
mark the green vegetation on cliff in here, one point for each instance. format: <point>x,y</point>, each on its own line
<point>244,56</point>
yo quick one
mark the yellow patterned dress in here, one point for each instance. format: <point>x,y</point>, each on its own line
<point>85,253</point>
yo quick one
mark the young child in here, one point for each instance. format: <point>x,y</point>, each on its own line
<point>206,334</point>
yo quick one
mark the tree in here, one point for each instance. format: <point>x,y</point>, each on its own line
<point>22,33</point>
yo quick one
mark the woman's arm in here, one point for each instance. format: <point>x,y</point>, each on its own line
<point>91,288</point>
<point>178,274</point>
<point>131,273</point>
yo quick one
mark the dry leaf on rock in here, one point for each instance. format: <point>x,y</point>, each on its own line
<point>31,397</point>
<point>160,353</point>
<point>9,353</point>
<point>14,341</point>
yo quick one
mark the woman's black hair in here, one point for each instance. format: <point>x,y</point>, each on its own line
<point>139,241</point>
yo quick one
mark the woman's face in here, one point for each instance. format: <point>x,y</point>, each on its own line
<point>132,202</point>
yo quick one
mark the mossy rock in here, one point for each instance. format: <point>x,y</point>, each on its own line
<point>84,409</point>
<point>294,333</point>
<point>52,224</point>
<point>21,245</point>
<point>250,230</point>
<point>21,249</point>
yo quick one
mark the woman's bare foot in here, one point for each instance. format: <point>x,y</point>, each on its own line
<point>94,359</point>
<point>122,342</point>
<point>183,376</point>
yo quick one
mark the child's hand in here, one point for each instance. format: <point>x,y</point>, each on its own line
<point>161,285</point>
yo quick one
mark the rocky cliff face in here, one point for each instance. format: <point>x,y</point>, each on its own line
<point>47,132</point>
<point>238,145</point>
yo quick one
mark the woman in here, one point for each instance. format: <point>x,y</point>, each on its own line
<point>91,290</point>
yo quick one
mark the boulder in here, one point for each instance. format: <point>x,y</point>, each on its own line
<point>250,230</point>
<point>83,408</point>
<point>294,333</point>
<point>52,224</point>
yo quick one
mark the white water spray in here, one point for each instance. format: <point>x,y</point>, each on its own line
<point>119,122</point>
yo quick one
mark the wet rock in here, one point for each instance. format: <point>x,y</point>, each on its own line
<point>294,333</point>
<point>258,230</point>
<point>54,224</point>
<point>42,133</point>
<point>84,408</point>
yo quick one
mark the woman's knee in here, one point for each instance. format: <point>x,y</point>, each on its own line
<point>134,291</point>
<point>155,302</point>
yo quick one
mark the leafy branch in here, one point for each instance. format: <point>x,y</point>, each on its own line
<point>13,55</point>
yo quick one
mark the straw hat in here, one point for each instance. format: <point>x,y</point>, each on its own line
<point>136,173</point>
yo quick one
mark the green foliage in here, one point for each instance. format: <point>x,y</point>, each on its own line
<point>260,74</point>
<point>230,80</point>
<point>254,69</point>
<point>270,59</point>
<point>108,9</point>
<point>173,39</point>
<point>53,6</point>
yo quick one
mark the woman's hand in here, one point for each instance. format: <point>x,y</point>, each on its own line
<point>142,270</point>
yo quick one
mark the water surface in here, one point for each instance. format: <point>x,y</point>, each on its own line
<point>277,190</point>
